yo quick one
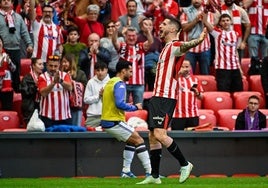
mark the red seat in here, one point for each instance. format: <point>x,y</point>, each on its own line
<point>9,120</point>
<point>255,84</point>
<point>216,100</point>
<point>143,114</point>
<point>208,82</point>
<point>245,64</point>
<point>227,118</point>
<point>17,100</point>
<point>147,94</point>
<point>240,99</point>
<point>25,66</point>
<point>207,116</point>
<point>245,83</point>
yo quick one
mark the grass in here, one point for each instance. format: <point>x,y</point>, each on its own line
<point>258,182</point>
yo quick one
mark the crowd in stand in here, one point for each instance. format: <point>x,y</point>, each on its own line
<point>69,45</point>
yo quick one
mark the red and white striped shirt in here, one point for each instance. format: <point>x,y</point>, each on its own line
<point>46,39</point>
<point>55,105</point>
<point>258,15</point>
<point>226,49</point>
<point>134,54</point>
<point>187,102</point>
<point>166,71</point>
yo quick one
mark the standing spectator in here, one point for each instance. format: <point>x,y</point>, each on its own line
<point>163,102</point>
<point>264,79</point>
<point>131,18</point>
<point>239,18</point>
<point>251,118</point>
<point>134,52</point>
<point>13,30</point>
<point>48,37</point>
<point>151,55</point>
<point>227,66</point>
<point>192,26</point>
<point>69,66</point>
<point>73,45</point>
<point>6,90</point>
<point>257,42</point>
<point>90,24</point>
<point>160,9</point>
<point>93,54</point>
<point>29,90</point>
<point>113,116</point>
<point>106,42</point>
<point>54,87</point>
<point>105,11</point>
<point>189,91</point>
<point>93,94</point>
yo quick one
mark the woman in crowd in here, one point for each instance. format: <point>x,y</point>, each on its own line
<point>29,90</point>
<point>106,42</point>
<point>68,64</point>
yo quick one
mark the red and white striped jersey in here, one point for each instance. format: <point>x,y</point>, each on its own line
<point>134,54</point>
<point>205,45</point>
<point>226,49</point>
<point>46,39</point>
<point>55,105</point>
<point>166,71</point>
<point>187,101</point>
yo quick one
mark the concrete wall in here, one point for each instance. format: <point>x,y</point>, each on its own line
<point>98,154</point>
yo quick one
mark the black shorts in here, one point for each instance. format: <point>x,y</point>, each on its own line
<point>160,111</point>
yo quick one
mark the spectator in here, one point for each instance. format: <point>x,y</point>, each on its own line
<point>192,26</point>
<point>93,94</point>
<point>264,79</point>
<point>105,11</point>
<point>73,45</point>
<point>69,65</point>
<point>189,91</point>
<point>134,52</point>
<point>93,54</point>
<point>227,66</point>
<point>160,9</point>
<point>54,87</point>
<point>6,67</point>
<point>257,42</point>
<point>131,18</point>
<point>113,117</point>
<point>29,90</point>
<point>151,55</point>
<point>239,18</point>
<point>13,30</point>
<point>251,118</point>
<point>90,24</point>
<point>48,37</point>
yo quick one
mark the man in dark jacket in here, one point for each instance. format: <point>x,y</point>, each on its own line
<point>251,118</point>
<point>94,53</point>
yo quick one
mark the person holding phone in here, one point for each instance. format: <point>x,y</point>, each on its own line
<point>186,110</point>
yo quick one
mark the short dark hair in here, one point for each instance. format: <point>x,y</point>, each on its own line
<point>73,28</point>
<point>254,97</point>
<point>224,16</point>
<point>100,65</point>
<point>173,20</point>
<point>122,64</point>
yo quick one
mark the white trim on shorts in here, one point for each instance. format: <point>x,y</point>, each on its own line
<point>121,131</point>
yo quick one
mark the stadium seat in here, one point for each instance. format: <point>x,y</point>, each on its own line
<point>143,114</point>
<point>227,118</point>
<point>208,82</point>
<point>255,84</point>
<point>9,120</point>
<point>245,83</point>
<point>216,100</point>
<point>17,100</point>
<point>245,64</point>
<point>240,99</point>
<point>25,66</point>
<point>147,94</point>
<point>207,116</point>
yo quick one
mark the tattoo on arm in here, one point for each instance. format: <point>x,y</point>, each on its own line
<point>190,44</point>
